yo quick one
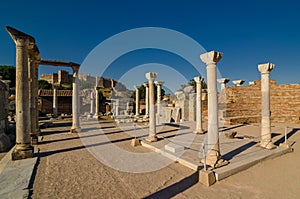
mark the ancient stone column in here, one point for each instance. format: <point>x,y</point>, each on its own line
<point>213,156</point>
<point>23,147</point>
<point>97,99</point>
<point>75,102</point>
<point>146,85</point>
<point>137,101</point>
<point>152,119</point>
<point>199,128</point>
<point>33,90</point>
<point>266,140</point>
<point>55,101</point>
<point>117,107</point>
<point>158,84</point>
<point>238,82</point>
<point>92,104</point>
<point>223,82</point>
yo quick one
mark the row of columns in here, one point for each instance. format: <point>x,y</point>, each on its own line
<point>27,63</point>
<point>137,100</point>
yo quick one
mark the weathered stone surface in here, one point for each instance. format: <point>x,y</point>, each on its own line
<point>207,178</point>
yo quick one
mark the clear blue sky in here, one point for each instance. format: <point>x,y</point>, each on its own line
<point>247,32</point>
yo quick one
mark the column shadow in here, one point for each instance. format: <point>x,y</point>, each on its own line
<point>176,188</point>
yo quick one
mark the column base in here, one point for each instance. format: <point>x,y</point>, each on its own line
<point>152,138</point>
<point>22,152</point>
<point>267,144</point>
<point>34,139</point>
<point>214,160</point>
<point>146,116</point>
<point>75,130</point>
<point>199,131</point>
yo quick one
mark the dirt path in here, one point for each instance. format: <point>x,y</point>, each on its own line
<point>67,170</point>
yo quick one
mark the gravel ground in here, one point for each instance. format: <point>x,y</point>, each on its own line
<point>67,169</point>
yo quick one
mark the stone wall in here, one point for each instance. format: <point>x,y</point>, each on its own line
<point>243,104</point>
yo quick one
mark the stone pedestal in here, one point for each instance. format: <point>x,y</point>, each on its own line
<point>207,178</point>
<point>238,82</point>
<point>266,140</point>
<point>75,102</point>
<point>23,147</point>
<point>213,156</point>
<point>199,128</point>
<point>137,101</point>
<point>152,120</point>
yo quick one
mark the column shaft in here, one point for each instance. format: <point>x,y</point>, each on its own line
<point>152,119</point>
<point>23,147</point>
<point>75,104</point>
<point>55,101</point>
<point>199,127</point>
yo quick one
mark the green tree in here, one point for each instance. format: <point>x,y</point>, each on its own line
<point>142,92</point>
<point>8,73</point>
<point>43,84</point>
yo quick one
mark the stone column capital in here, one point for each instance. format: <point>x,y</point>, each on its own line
<point>223,80</point>
<point>151,76</point>
<point>159,83</point>
<point>75,70</point>
<point>265,68</point>
<point>238,82</point>
<point>199,79</point>
<point>136,87</point>
<point>211,57</point>
<point>146,85</point>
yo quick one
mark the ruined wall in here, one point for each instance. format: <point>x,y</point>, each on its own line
<point>243,104</point>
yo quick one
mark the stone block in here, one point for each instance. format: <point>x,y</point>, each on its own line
<point>22,154</point>
<point>174,148</point>
<point>207,177</point>
<point>135,142</point>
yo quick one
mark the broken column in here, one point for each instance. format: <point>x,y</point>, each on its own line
<point>223,82</point>
<point>266,139</point>
<point>55,101</point>
<point>213,155</point>
<point>146,85</point>
<point>238,82</point>
<point>152,119</point>
<point>75,101</point>
<point>199,128</point>
<point>159,85</point>
<point>23,147</point>
<point>137,101</point>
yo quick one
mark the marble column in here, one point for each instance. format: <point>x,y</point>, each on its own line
<point>137,101</point>
<point>97,99</point>
<point>75,102</point>
<point>152,119</point>
<point>213,156</point>
<point>159,85</point>
<point>36,96</point>
<point>55,101</point>
<point>146,85</point>
<point>223,82</point>
<point>117,107</point>
<point>199,128</point>
<point>92,103</point>
<point>238,82</point>
<point>266,139</point>
<point>23,147</point>
<point>32,98</point>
